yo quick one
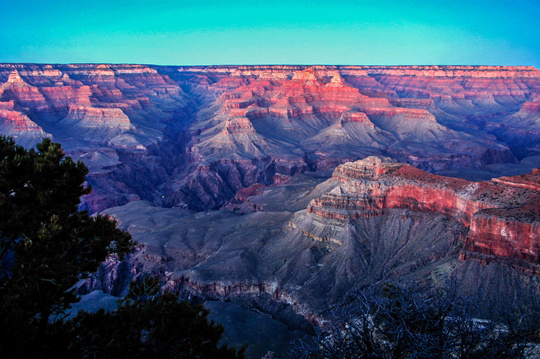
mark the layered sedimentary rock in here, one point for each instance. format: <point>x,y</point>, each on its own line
<point>521,130</point>
<point>109,116</point>
<point>17,125</point>
<point>23,93</point>
<point>267,247</point>
<point>61,96</point>
<point>219,129</point>
<point>92,117</point>
<point>315,116</point>
<point>501,217</point>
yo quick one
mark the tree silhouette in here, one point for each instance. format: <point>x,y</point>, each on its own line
<point>398,321</point>
<point>47,245</point>
<point>149,324</point>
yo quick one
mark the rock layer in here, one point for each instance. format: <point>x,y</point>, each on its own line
<point>502,216</point>
<point>219,129</point>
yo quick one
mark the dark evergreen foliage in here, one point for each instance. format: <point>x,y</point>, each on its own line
<point>47,245</point>
<point>149,324</point>
<point>403,322</point>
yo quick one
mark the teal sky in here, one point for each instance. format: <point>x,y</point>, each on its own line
<point>375,32</point>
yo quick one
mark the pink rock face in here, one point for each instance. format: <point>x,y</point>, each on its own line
<point>492,232</point>
<point>304,94</point>
<point>314,103</point>
<point>238,124</point>
<point>505,84</point>
<point>413,103</point>
<point>502,216</point>
<point>253,124</point>
<point>22,92</point>
<point>7,105</point>
<point>62,96</point>
<point>355,117</point>
<point>92,117</point>
<point>532,107</point>
<point>407,113</point>
<point>18,121</point>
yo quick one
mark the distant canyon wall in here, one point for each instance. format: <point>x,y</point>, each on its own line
<point>194,136</point>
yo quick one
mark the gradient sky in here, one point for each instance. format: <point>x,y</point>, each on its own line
<point>375,32</point>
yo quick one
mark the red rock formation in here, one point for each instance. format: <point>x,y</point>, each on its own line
<point>533,107</point>
<point>17,125</point>
<point>426,104</point>
<point>19,122</point>
<point>99,118</point>
<point>7,105</point>
<point>502,216</point>
<point>24,94</point>
<point>303,96</point>
<point>513,233</point>
<point>238,124</point>
<point>63,96</point>
<point>407,113</point>
<point>299,117</point>
<point>355,117</point>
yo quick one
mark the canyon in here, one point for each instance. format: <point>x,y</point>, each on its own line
<point>285,188</point>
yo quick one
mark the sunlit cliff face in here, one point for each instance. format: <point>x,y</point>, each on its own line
<point>502,216</point>
<point>194,136</point>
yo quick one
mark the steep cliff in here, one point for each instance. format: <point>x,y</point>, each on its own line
<point>370,223</point>
<point>17,125</point>
<point>501,217</point>
<point>109,116</point>
<point>218,129</point>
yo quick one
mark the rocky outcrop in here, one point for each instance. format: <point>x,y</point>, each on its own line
<point>15,88</point>
<point>224,128</point>
<point>17,125</point>
<point>372,222</point>
<point>501,216</point>
<point>61,97</point>
<point>20,123</point>
<point>242,155</point>
<point>97,118</point>
<point>239,124</point>
<point>312,114</point>
<point>521,129</point>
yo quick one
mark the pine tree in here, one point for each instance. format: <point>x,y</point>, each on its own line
<point>47,245</point>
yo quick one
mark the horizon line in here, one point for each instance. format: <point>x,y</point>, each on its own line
<point>255,65</point>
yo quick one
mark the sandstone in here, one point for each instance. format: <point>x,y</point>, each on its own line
<point>63,96</point>
<point>7,105</point>
<point>242,155</point>
<point>17,125</point>
<point>308,75</point>
<point>98,118</point>
<point>282,119</point>
<point>413,103</point>
<point>24,94</point>
<point>417,114</point>
<point>19,122</point>
<point>358,117</point>
<point>238,125</point>
<point>502,216</point>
